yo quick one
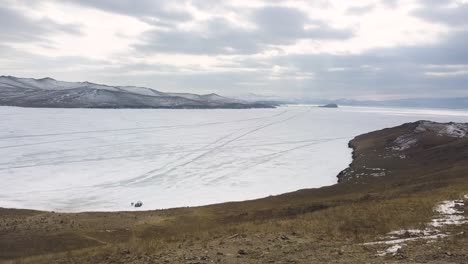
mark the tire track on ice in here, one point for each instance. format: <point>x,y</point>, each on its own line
<point>206,147</point>
<point>268,157</point>
<point>190,152</point>
<point>130,129</point>
<point>188,155</point>
<point>149,175</point>
<point>44,142</point>
<point>313,142</point>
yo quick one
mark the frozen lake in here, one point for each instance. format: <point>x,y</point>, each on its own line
<point>104,159</point>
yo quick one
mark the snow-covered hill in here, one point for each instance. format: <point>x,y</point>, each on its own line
<point>47,92</point>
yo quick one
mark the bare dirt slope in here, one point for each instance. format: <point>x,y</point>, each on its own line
<point>390,192</point>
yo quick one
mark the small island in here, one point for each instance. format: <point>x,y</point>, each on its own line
<point>329,106</point>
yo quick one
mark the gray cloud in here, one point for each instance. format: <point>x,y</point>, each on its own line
<point>398,71</point>
<point>395,71</point>
<point>392,3</point>
<point>288,23</point>
<point>218,37</point>
<point>440,13</point>
<point>15,60</point>
<point>360,10</point>
<point>139,9</point>
<point>275,26</point>
<point>18,28</point>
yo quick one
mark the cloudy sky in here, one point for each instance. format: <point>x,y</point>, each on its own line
<point>367,49</point>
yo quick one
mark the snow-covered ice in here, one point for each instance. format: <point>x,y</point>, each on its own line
<point>104,159</point>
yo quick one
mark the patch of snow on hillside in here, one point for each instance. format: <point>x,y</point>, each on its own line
<point>141,90</point>
<point>448,213</point>
<point>404,142</point>
<point>451,213</point>
<point>391,250</point>
<point>457,130</point>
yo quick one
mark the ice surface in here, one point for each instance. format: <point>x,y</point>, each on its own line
<point>104,159</point>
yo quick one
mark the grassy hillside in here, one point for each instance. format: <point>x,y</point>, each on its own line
<point>386,188</point>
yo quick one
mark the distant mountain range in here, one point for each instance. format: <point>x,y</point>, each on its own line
<point>446,103</point>
<point>47,92</point>
<point>449,103</point>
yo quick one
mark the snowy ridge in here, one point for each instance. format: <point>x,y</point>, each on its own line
<point>47,92</point>
<point>206,97</point>
<point>457,130</point>
<point>453,130</point>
